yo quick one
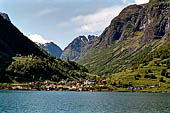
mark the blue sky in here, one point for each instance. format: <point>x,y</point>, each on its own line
<point>62,20</point>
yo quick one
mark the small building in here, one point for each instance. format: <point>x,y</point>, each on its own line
<point>103,82</point>
<point>19,87</point>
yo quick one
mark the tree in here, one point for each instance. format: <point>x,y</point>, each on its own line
<point>163,72</point>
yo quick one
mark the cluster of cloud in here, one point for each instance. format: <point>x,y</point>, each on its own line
<point>135,1</point>
<point>97,21</point>
<point>141,1</point>
<point>38,38</point>
<point>47,11</point>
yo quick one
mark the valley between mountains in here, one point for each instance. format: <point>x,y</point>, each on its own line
<point>132,54</point>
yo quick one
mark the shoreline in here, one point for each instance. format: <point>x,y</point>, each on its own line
<point>90,91</point>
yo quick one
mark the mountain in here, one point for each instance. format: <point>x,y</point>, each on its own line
<point>5,16</point>
<point>132,35</point>
<point>13,42</point>
<point>77,47</point>
<point>31,62</point>
<point>51,48</point>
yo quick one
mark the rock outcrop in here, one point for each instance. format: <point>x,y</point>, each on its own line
<point>5,16</point>
<point>77,47</point>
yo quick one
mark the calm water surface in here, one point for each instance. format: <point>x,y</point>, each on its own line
<point>83,102</point>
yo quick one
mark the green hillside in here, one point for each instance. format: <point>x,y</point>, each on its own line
<point>152,73</point>
<point>41,69</point>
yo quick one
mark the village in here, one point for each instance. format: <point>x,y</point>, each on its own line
<point>86,85</point>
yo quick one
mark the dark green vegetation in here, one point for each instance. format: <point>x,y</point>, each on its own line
<point>5,60</point>
<point>41,69</point>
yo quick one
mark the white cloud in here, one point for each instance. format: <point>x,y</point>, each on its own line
<point>37,38</point>
<point>47,11</point>
<point>134,1</point>
<point>97,21</point>
<point>124,1</point>
<point>141,1</point>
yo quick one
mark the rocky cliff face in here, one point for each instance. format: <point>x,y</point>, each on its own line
<point>51,48</point>
<point>138,30</point>
<point>76,48</point>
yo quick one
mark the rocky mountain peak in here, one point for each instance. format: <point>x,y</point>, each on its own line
<point>51,48</point>
<point>86,38</point>
<point>5,16</point>
<point>76,48</point>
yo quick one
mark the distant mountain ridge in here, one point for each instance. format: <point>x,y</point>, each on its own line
<point>76,48</point>
<point>51,48</point>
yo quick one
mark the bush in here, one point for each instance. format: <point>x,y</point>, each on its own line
<point>137,77</point>
<point>163,72</point>
<point>147,76</point>
<point>153,77</point>
<point>55,78</point>
<point>149,71</point>
<point>162,80</point>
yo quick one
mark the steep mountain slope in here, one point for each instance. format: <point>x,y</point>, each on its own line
<point>133,34</point>
<point>51,48</point>
<point>77,47</point>
<point>13,42</point>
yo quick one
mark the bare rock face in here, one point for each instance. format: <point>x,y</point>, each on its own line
<point>76,48</point>
<point>5,16</point>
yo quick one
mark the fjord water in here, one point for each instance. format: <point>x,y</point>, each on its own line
<point>83,102</point>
